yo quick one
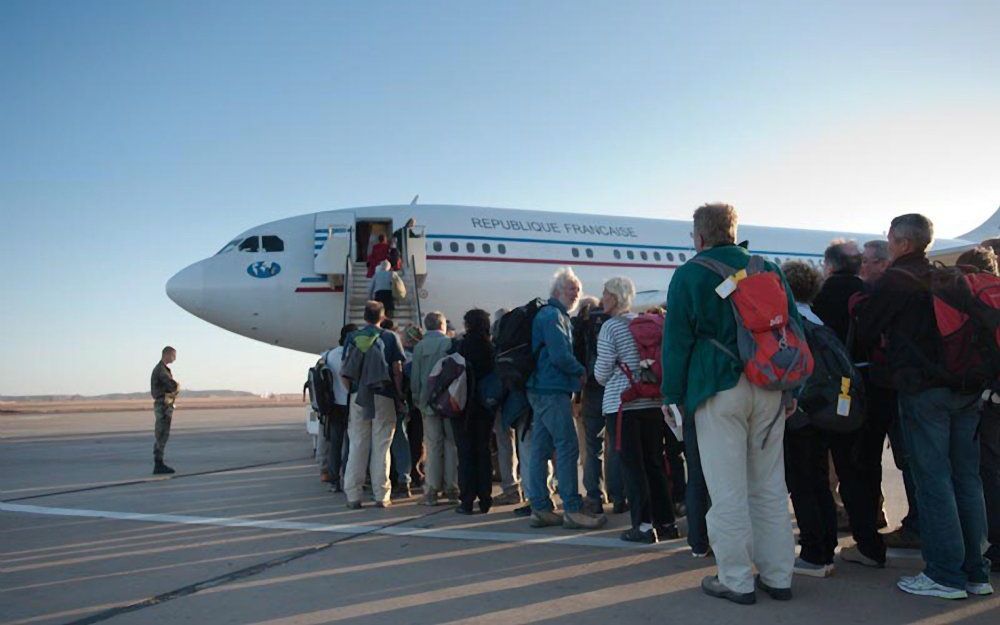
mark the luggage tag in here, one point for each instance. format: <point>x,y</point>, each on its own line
<point>728,286</point>
<point>844,399</point>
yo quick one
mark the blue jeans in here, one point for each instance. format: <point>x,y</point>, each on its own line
<point>552,429</point>
<point>901,457</point>
<point>696,493</point>
<point>939,427</point>
<point>400,450</point>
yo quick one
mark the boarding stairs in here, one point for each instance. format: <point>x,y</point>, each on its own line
<point>356,292</point>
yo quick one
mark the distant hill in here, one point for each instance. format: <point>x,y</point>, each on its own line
<point>116,396</point>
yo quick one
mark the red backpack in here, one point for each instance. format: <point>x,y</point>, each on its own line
<point>967,315</point>
<point>647,332</point>
<point>774,351</point>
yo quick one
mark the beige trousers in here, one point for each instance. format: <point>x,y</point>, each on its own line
<point>441,463</point>
<point>748,523</point>
<point>370,440</point>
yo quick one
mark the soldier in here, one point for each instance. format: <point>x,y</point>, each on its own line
<point>164,390</point>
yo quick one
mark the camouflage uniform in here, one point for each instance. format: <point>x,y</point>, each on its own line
<point>163,388</point>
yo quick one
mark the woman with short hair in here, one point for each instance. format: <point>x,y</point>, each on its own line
<point>639,422</point>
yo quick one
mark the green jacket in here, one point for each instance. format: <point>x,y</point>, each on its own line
<point>432,348</point>
<point>693,368</point>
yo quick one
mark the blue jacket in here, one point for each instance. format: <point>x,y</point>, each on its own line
<point>556,370</point>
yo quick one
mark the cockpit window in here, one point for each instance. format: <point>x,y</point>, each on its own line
<point>250,244</point>
<point>228,247</point>
<point>272,243</point>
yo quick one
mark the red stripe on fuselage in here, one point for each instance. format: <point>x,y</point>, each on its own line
<point>550,261</point>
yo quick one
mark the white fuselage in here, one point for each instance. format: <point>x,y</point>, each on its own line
<point>477,257</point>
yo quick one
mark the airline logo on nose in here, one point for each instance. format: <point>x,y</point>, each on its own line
<point>264,269</point>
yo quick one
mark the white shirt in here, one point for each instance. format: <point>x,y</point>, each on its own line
<point>806,313</point>
<point>333,361</point>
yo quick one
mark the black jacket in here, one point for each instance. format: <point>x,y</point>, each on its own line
<point>901,307</point>
<point>478,353</point>
<point>830,304</point>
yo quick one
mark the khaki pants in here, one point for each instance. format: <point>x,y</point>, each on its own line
<point>164,415</point>
<point>370,441</point>
<point>441,464</point>
<point>748,523</point>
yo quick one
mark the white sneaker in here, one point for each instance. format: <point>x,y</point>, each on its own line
<point>853,554</point>
<point>979,588</point>
<point>812,570</point>
<point>927,587</point>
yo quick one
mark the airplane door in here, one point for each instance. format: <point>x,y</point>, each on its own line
<point>332,243</point>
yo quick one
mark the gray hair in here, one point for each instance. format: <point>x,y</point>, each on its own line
<point>561,278</point>
<point>915,228</point>
<point>435,321</point>
<point>623,290</point>
<point>879,248</point>
<point>843,255</point>
<point>716,223</point>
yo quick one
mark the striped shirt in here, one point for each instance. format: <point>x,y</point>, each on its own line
<point>615,345</point>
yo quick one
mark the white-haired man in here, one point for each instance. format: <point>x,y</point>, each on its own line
<point>557,375</point>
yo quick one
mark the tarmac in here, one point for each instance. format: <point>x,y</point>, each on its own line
<point>245,533</point>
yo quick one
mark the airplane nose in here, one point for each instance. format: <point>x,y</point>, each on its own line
<point>187,288</point>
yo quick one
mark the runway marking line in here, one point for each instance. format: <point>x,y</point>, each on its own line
<point>354,529</point>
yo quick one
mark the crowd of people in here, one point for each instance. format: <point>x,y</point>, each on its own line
<point>697,410</point>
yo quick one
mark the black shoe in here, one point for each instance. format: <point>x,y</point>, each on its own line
<point>636,535</point>
<point>463,509</point>
<point>523,511</point>
<point>778,594</point>
<point>335,487</point>
<point>484,506</point>
<point>620,507</point>
<point>714,588</point>
<point>402,491</point>
<point>993,555</point>
<point>161,469</point>
<point>667,532</point>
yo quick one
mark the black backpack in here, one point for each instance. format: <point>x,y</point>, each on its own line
<point>832,374</point>
<point>586,327</point>
<point>514,359</point>
<point>319,381</point>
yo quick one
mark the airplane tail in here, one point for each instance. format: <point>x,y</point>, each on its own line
<point>988,230</point>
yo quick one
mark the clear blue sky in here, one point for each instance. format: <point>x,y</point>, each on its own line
<point>137,137</point>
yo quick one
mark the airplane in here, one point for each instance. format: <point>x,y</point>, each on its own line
<point>295,281</point>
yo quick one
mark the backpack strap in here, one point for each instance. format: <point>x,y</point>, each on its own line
<point>725,350</point>
<point>715,266</point>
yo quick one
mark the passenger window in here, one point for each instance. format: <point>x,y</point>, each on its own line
<point>272,243</point>
<point>777,260</point>
<point>590,253</point>
<point>670,256</point>
<point>250,244</point>
<point>453,246</point>
<point>437,246</point>
<point>576,253</point>
<point>470,247</point>
<point>502,248</point>
<point>618,254</point>
<point>644,256</point>
<point>683,257</point>
<point>630,254</point>
<point>486,248</point>
<point>656,256</point>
